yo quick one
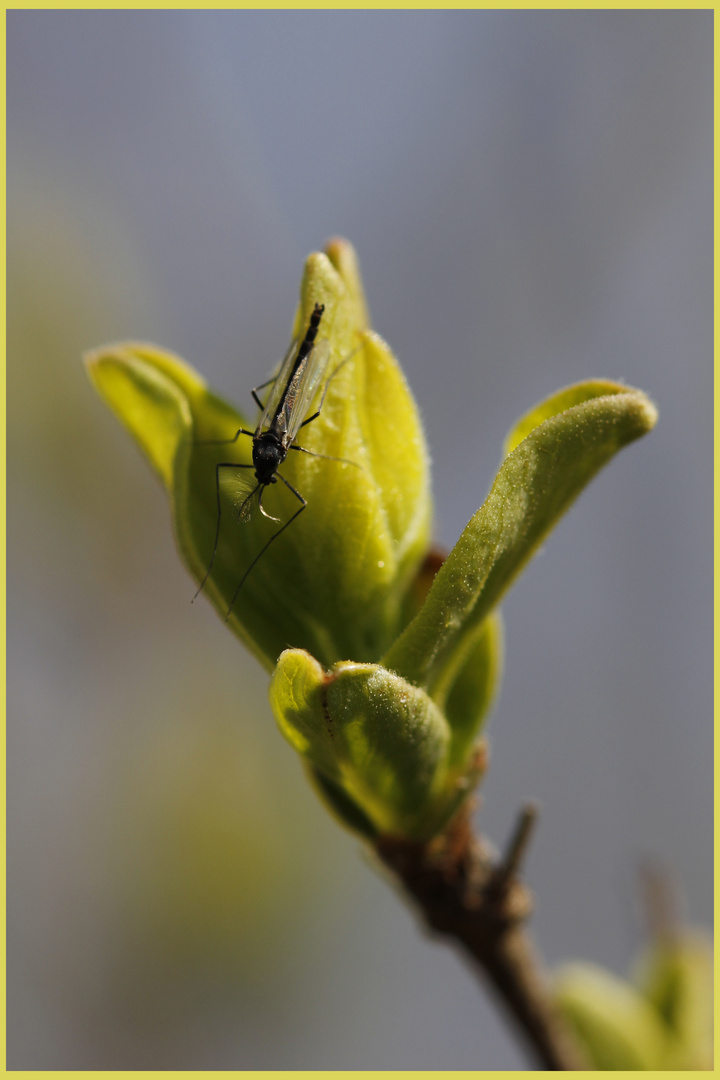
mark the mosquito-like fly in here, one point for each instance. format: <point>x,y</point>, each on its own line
<point>284,413</point>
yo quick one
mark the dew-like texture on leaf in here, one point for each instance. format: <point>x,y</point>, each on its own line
<point>381,741</point>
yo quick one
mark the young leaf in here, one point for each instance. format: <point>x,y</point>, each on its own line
<point>536,484</point>
<point>335,581</point>
<point>616,1026</point>
<point>372,736</point>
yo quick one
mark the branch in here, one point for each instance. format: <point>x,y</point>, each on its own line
<point>464,895</point>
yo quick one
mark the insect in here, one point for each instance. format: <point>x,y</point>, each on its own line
<point>283,415</point>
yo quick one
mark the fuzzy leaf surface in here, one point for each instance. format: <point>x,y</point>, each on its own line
<point>536,484</point>
<point>378,740</point>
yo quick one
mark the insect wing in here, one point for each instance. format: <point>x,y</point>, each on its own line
<point>278,388</point>
<point>238,487</point>
<point>306,382</point>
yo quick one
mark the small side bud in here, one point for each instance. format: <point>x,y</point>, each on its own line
<point>373,736</point>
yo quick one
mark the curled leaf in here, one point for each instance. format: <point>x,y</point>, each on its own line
<point>371,736</point>
<point>536,484</point>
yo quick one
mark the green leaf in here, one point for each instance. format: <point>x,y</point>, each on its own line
<point>557,403</point>
<point>536,484</point>
<point>471,692</point>
<point>147,399</point>
<point>616,1026</point>
<point>344,258</point>
<point>158,397</point>
<point>675,975</point>
<point>297,696</point>
<point>375,738</point>
<point>664,1021</point>
<point>335,582</point>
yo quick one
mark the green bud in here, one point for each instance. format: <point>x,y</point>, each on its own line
<point>347,584</point>
<point>335,582</point>
<point>662,1020</point>
<point>372,736</point>
<point>675,975</point>
<point>615,1025</point>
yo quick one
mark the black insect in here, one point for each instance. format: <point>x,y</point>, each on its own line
<point>282,417</point>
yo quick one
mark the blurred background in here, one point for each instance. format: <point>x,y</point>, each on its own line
<point>530,195</point>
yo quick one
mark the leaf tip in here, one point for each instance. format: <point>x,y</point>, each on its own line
<point>647,412</point>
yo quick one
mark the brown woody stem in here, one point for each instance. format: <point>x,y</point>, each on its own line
<point>483,906</point>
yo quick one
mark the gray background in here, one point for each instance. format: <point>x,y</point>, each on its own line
<point>530,194</point>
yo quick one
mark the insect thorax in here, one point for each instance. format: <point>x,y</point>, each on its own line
<point>268,454</point>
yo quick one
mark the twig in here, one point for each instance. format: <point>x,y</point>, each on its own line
<point>661,902</point>
<point>462,894</point>
<point>509,868</point>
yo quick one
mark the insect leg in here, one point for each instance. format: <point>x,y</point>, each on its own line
<point>267,545</point>
<point>262,386</point>
<point>225,442</point>
<point>218,467</point>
